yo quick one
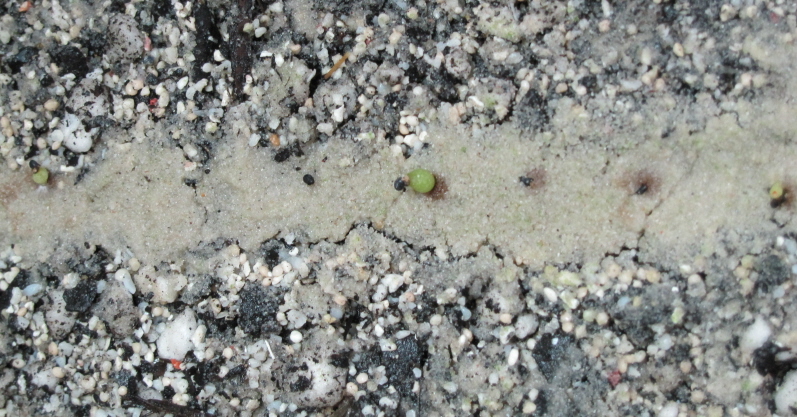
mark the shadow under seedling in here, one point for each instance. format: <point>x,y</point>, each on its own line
<point>641,182</point>
<point>534,179</point>
<point>440,189</point>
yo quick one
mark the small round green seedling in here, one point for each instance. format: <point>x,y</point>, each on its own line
<point>421,180</point>
<point>41,176</point>
<point>776,191</point>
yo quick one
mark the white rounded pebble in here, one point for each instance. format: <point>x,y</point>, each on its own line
<point>175,341</point>
<point>32,290</point>
<point>227,353</point>
<point>791,246</point>
<point>88,383</point>
<point>678,49</point>
<point>756,335</point>
<point>78,143</point>
<point>786,395</point>
<point>252,404</point>
<point>351,388</point>
<point>669,410</point>
<point>58,372</point>
<point>51,105</point>
<point>602,318</point>
<point>362,378</point>
<point>550,294</point>
<point>296,336</point>
<point>393,282</point>
<point>134,264</point>
<point>182,83</point>
<point>123,276</point>
<point>514,354</point>
<point>493,378</point>
<point>387,345</point>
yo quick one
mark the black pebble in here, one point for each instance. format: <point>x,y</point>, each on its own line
<point>80,298</point>
<point>257,308</point>
<point>551,352</point>
<point>282,155</point>
<point>399,184</point>
<point>773,272</point>
<point>25,55</point>
<point>525,181</point>
<point>308,179</point>
<point>71,60</point>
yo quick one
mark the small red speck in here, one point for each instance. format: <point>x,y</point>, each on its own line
<point>176,364</point>
<point>774,17</point>
<point>615,377</point>
<point>153,102</point>
<point>147,44</point>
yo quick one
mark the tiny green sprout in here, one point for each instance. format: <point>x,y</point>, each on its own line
<point>41,175</point>
<point>421,180</point>
<point>776,191</point>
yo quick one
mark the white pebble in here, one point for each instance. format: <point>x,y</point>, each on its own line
<point>678,50</point>
<point>786,395</point>
<point>227,352</point>
<point>175,341</point>
<point>182,83</point>
<point>123,276</point>
<point>32,289</point>
<point>756,335</point>
<point>393,282</point>
<point>669,410</point>
<point>550,294</point>
<point>51,105</point>
<point>514,354</point>
<point>296,336</point>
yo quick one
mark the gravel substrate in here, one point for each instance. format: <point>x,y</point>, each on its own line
<point>205,208</point>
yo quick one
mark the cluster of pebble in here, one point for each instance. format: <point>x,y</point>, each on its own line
<point>355,74</point>
<point>375,325</point>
